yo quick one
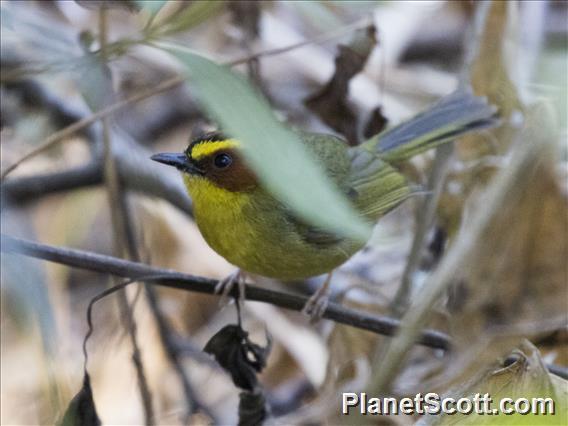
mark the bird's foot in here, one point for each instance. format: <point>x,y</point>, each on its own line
<point>225,286</point>
<point>315,307</point>
<point>317,304</point>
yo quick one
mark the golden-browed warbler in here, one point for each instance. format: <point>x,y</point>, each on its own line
<point>253,230</point>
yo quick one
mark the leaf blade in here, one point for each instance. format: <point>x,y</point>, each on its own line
<point>294,177</point>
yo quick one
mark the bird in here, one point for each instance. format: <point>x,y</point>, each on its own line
<point>251,228</point>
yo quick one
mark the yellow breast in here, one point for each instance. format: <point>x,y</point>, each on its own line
<point>253,236</point>
<point>218,213</point>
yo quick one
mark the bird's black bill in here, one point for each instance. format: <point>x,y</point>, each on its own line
<point>179,161</point>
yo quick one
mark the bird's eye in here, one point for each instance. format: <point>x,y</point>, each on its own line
<point>222,161</point>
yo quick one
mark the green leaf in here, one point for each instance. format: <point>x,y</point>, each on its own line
<point>275,153</point>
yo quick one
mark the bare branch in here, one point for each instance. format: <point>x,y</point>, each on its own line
<point>123,268</point>
<point>68,131</point>
<point>438,172</point>
<point>27,188</point>
<point>145,180</point>
<point>527,156</point>
<point>110,265</point>
<point>426,215</point>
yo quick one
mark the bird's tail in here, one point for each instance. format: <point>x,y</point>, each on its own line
<point>454,115</point>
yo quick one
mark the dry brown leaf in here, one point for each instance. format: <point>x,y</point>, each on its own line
<point>490,77</point>
<point>376,123</point>
<point>515,282</point>
<point>246,16</point>
<point>330,103</point>
<point>301,342</point>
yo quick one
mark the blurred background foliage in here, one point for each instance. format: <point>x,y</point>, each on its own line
<point>61,61</point>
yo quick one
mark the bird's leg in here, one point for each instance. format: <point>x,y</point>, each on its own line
<point>226,285</point>
<point>317,303</point>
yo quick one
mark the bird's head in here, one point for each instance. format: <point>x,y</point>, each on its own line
<point>212,158</point>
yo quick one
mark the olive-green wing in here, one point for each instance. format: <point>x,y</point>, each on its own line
<point>311,234</point>
<point>374,186</point>
<point>332,154</point>
<point>377,186</point>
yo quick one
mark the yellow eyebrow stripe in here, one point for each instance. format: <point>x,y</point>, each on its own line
<point>206,148</point>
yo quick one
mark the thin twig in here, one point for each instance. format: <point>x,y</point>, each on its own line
<point>194,405</point>
<point>110,265</point>
<point>149,180</point>
<point>362,23</point>
<point>426,213</point>
<point>68,131</point>
<point>438,173</point>
<point>123,244</point>
<point>388,354</point>
<point>164,86</point>
<point>132,177</point>
<point>20,190</point>
<point>505,184</point>
<point>127,269</point>
<point>107,292</point>
<point>175,353</point>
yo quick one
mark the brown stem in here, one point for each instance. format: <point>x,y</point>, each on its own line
<point>127,269</point>
<point>120,232</point>
<point>110,265</point>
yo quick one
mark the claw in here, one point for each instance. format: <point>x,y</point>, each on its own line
<point>317,304</point>
<point>225,286</point>
<point>315,307</point>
